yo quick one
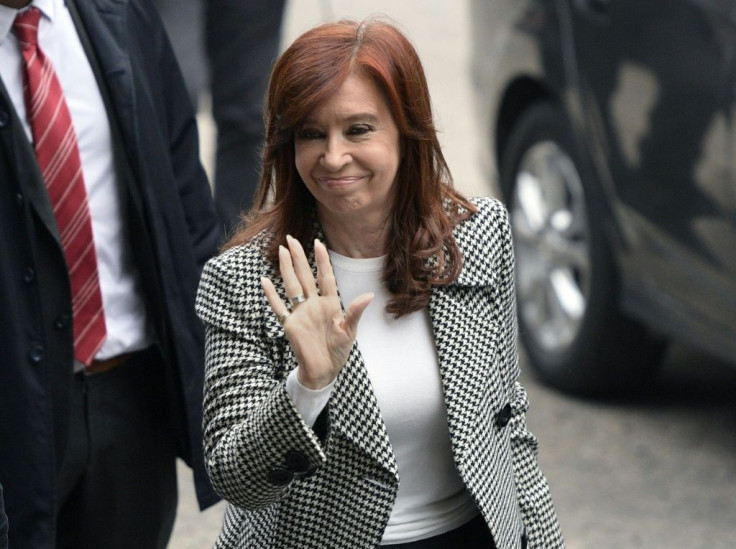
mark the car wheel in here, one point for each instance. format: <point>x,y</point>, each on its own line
<point>575,337</point>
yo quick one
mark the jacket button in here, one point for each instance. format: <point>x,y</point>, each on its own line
<point>309,472</point>
<point>61,322</point>
<point>35,355</point>
<point>503,416</point>
<point>4,119</point>
<point>19,199</point>
<point>278,476</point>
<point>29,275</point>
<point>297,462</point>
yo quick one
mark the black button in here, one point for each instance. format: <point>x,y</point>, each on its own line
<point>36,353</point>
<point>4,119</point>
<point>61,322</point>
<point>297,462</point>
<point>278,476</point>
<point>29,275</point>
<point>19,199</point>
<point>309,472</point>
<point>503,416</point>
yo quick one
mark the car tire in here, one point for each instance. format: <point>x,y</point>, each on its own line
<point>575,337</point>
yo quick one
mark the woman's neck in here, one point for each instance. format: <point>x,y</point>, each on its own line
<point>356,238</point>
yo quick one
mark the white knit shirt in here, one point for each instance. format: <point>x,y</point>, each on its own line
<point>402,365</point>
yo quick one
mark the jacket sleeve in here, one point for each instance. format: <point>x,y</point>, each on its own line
<point>250,423</point>
<point>180,126</point>
<point>535,501</point>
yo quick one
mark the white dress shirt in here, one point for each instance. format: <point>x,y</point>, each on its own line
<point>122,297</point>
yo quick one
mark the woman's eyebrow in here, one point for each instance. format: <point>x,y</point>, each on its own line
<point>363,117</point>
<point>357,117</point>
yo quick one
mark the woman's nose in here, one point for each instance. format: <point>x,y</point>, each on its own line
<point>336,154</point>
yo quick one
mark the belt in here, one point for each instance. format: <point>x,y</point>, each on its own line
<point>99,366</point>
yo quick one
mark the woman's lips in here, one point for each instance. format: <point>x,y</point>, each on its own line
<point>339,181</point>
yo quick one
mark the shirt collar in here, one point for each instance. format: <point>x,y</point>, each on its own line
<point>7,15</point>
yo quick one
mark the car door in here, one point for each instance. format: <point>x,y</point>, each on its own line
<point>658,84</point>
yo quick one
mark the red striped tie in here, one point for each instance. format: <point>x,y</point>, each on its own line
<point>58,157</point>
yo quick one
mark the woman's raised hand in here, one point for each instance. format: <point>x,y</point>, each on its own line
<point>320,334</point>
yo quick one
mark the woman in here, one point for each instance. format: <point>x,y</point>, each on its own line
<point>413,434</point>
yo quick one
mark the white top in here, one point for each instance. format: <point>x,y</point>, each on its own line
<point>402,365</point>
<point>122,297</point>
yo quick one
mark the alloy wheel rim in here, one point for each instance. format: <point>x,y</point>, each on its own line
<point>552,246</point>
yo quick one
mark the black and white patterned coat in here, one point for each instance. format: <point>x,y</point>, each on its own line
<point>345,498</point>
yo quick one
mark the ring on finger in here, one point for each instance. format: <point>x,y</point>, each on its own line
<point>297,299</point>
<point>282,317</point>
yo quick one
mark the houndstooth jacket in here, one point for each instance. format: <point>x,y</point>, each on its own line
<point>289,487</point>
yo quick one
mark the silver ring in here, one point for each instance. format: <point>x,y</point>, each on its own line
<point>282,317</point>
<point>297,299</point>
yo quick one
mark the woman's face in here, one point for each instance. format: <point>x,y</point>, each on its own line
<point>348,153</point>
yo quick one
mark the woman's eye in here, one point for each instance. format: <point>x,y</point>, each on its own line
<point>360,129</point>
<point>307,133</point>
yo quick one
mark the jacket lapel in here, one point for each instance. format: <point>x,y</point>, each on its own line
<point>355,414</point>
<point>102,29</point>
<point>29,176</point>
<point>464,332</point>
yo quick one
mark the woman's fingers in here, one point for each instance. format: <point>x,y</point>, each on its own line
<point>355,311</point>
<point>325,275</point>
<point>301,268</point>
<point>277,305</point>
<point>298,279</point>
<point>292,285</point>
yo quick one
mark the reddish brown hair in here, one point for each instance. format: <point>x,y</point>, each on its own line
<point>422,252</point>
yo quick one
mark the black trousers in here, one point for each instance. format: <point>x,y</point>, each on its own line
<point>474,534</point>
<point>117,478</point>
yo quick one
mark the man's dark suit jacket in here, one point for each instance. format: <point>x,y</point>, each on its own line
<point>173,231</point>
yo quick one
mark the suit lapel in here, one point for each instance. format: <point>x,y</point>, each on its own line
<point>102,30</point>
<point>30,180</point>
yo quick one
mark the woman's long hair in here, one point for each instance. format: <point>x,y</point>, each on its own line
<point>421,250</point>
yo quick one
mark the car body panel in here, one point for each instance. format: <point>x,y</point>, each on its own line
<point>650,91</point>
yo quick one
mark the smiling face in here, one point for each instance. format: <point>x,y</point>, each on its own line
<point>348,154</point>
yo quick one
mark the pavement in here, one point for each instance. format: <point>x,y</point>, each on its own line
<point>440,32</point>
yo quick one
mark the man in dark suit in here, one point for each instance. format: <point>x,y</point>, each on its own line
<point>101,367</point>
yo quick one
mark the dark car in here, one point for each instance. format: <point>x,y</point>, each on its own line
<point>611,125</point>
